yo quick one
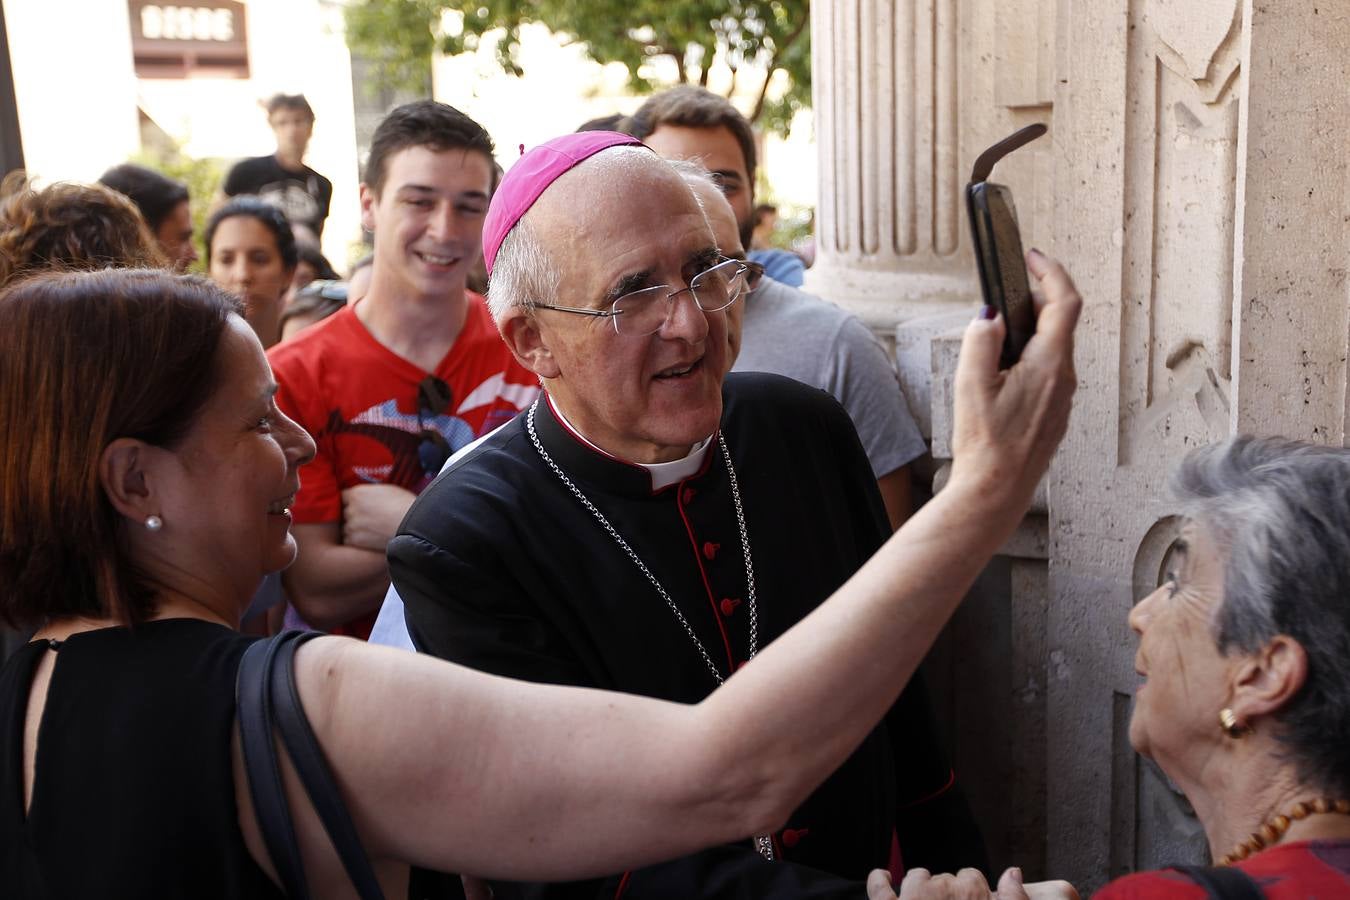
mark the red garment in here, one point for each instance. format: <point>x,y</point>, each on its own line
<point>359,400</point>
<point>1302,870</point>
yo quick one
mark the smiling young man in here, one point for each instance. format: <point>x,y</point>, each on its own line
<point>394,384</point>
<point>650,523</point>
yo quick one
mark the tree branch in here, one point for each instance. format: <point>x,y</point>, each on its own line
<point>772,67</point>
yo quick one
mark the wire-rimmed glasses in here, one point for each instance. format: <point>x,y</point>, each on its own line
<point>646,311</point>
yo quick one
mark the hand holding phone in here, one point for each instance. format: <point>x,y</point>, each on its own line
<point>998,246</point>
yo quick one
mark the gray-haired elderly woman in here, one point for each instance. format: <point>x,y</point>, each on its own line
<point>1245,655</point>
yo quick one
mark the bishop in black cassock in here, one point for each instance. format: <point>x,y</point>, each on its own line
<point>502,568</point>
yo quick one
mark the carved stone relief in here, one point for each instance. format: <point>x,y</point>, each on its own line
<point>1164,828</point>
<point>1178,231</point>
<point>1025,61</point>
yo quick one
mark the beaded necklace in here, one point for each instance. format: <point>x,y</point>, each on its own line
<point>1274,828</point>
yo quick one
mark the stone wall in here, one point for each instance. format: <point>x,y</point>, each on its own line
<point>1195,181</point>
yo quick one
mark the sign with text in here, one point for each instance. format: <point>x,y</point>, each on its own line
<point>194,38</point>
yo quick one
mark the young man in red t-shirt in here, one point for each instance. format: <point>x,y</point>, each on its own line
<point>393,385</point>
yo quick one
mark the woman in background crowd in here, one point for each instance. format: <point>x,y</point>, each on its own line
<point>251,252</point>
<point>311,265</point>
<point>314,302</point>
<point>70,226</point>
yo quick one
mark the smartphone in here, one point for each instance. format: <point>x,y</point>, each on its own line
<point>998,246</point>
<point>1002,265</point>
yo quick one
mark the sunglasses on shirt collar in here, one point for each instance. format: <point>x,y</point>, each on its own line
<point>433,398</point>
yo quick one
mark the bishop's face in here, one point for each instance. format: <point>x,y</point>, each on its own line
<point>644,398</point>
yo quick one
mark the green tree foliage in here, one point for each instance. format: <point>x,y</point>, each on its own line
<point>747,35</point>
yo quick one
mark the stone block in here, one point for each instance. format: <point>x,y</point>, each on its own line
<point>914,359</point>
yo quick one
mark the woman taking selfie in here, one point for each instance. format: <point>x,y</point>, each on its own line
<point>144,495</point>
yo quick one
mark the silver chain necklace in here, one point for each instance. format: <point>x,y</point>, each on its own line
<point>763,843</point>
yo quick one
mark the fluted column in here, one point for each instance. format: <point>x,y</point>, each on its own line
<point>889,220</point>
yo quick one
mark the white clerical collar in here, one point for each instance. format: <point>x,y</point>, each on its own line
<point>662,474</point>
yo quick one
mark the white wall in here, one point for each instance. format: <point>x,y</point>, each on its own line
<point>74,85</point>
<point>78,95</point>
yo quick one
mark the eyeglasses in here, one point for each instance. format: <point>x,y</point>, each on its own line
<point>754,275</point>
<point>646,311</point>
<point>433,398</point>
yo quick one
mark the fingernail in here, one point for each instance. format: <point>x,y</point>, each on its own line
<point>1017,874</point>
<point>1038,253</point>
<point>988,313</point>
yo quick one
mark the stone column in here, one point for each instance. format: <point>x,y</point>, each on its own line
<point>887,135</point>
<point>907,94</point>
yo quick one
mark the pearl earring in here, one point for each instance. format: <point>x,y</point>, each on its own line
<point>153,523</point>
<point>1228,721</point>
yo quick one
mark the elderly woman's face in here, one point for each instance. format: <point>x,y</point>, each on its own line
<point>1186,682</point>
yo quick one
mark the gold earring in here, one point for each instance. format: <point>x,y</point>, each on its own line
<point>1228,721</point>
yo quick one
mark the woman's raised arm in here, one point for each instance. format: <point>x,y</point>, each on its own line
<point>461,771</point>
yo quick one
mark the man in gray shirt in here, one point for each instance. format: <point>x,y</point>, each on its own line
<point>787,331</point>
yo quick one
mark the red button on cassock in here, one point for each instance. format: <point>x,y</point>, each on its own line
<point>688,496</point>
<point>710,550</point>
<point>729,605</point>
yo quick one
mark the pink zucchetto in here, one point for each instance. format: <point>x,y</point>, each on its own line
<point>531,176</point>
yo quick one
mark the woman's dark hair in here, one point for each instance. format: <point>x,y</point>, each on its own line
<point>266,213</point>
<point>323,269</point>
<point>155,195</point>
<point>70,226</point>
<point>86,358</point>
<point>317,300</point>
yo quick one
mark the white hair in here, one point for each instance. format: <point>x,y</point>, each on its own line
<point>522,274</point>
<point>695,174</point>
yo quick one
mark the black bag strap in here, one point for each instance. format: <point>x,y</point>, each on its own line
<point>252,702</point>
<point>1223,883</point>
<point>266,696</point>
<point>315,774</point>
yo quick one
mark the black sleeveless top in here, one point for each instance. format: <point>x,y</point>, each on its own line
<point>133,793</point>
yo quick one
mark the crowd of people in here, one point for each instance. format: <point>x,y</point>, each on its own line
<point>643,511</point>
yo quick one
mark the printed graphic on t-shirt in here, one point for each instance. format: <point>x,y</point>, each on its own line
<point>293,199</point>
<point>415,455</point>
